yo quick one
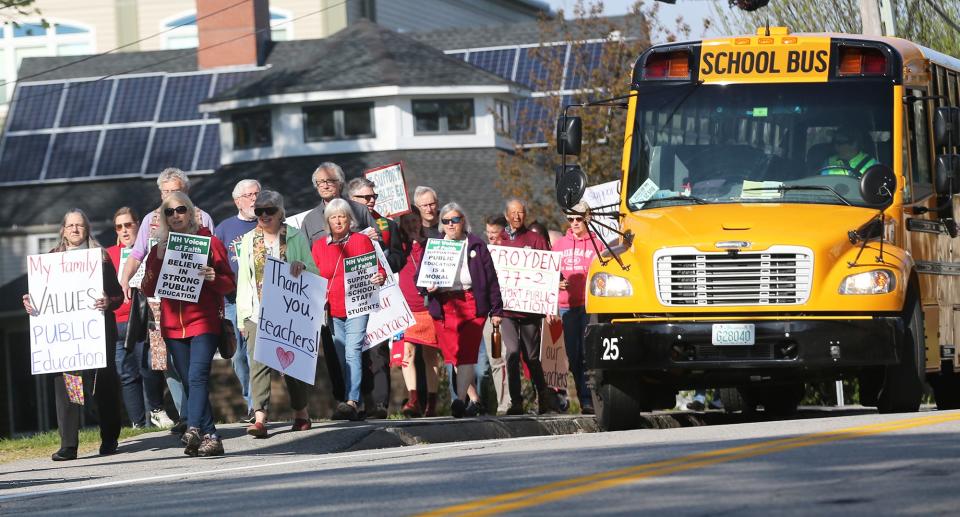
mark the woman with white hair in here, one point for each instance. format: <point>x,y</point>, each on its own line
<point>348,333</point>
<point>578,247</point>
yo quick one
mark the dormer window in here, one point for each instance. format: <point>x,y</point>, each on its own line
<point>443,116</point>
<point>340,122</point>
<point>252,129</point>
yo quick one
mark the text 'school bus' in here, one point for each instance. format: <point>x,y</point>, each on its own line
<point>789,204</point>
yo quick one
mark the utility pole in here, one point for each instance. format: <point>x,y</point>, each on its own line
<point>877,17</point>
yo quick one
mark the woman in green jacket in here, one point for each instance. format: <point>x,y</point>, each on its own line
<point>271,238</point>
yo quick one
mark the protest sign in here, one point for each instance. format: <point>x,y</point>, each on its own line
<point>441,263</point>
<point>599,197</point>
<point>529,279</point>
<point>291,314</point>
<point>553,354</point>
<point>296,220</point>
<point>392,278</point>
<point>391,190</point>
<point>394,316</point>
<point>181,276</point>
<point>66,331</point>
<point>361,294</point>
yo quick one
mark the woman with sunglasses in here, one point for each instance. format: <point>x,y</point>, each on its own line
<point>271,238</point>
<point>192,330</point>
<point>578,248</point>
<point>75,235</point>
<point>141,386</point>
<point>460,311</point>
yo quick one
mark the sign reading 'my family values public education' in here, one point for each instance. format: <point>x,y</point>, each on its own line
<point>529,279</point>
<point>66,331</point>
<point>181,276</point>
<point>441,263</point>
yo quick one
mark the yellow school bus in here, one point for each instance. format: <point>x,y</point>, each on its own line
<point>788,208</point>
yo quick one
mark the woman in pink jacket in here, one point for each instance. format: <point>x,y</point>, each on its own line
<point>578,248</point>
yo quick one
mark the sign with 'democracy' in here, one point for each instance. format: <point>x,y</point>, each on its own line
<point>181,276</point>
<point>361,294</point>
<point>441,262</point>
<point>66,330</point>
<point>393,317</point>
<point>291,315</point>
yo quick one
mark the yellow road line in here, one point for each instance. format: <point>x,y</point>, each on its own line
<point>559,490</point>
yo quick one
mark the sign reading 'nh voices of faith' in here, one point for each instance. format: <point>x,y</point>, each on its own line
<point>291,314</point>
<point>441,263</point>
<point>181,276</point>
<point>66,331</point>
<point>391,190</point>
<point>361,294</point>
<point>529,279</point>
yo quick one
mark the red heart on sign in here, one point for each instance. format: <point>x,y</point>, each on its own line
<point>556,330</point>
<point>285,357</point>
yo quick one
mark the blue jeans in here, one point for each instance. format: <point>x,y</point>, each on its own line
<point>348,335</point>
<point>175,385</point>
<point>142,388</point>
<point>192,358</point>
<point>575,321</point>
<point>241,364</point>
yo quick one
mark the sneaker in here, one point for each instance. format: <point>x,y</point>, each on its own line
<point>65,454</point>
<point>457,407</point>
<point>696,405</point>
<point>516,408</point>
<point>715,404</point>
<point>250,418</point>
<point>210,446</point>
<point>473,409</point>
<point>345,411</point>
<point>159,418</point>
<point>587,409</point>
<point>191,439</point>
<point>180,428</point>
<point>379,411</point>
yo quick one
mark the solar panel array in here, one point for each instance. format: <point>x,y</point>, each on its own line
<point>521,64</point>
<point>120,126</point>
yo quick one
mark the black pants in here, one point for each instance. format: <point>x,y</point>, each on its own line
<point>522,336</point>
<point>106,395</point>
<point>375,383</point>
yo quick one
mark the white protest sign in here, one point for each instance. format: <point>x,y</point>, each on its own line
<point>604,195</point>
<point>553,354</point>
<point>66,331</point>
<point>391,190</point>
<point>392,278</point>
<point>529,279</point>
<point>137,277</point>
<point>291,314</point>
<point>394,316</point>
<point>181,276</point>
<point>296,220</point>
<point>441,262</point>
<point>361,294</point>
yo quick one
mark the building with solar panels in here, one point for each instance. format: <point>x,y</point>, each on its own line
<point>446,103</point>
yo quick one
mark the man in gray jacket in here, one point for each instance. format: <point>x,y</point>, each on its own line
<point>328,179</point>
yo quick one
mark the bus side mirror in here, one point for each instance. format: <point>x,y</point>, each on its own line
<point>946,126</point>
<point>571,183</point>
<point>877,186</point>
<point>569,131</point>
<point>948,172</point>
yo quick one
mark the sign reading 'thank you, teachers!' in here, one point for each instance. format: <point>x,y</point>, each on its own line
<point>529,279</point>
<point>181,276</point>
<point>66,331</point>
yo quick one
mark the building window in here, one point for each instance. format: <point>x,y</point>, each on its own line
<point>342,122</point>
<point>443,116</point>
<point>502,115</point>
<point>42,243</point>
<point>252,129</point>
<point>34,39</point>
<point>181,30</point>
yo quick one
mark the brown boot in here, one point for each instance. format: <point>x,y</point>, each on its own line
<point>412,408</point>
<point>431,405</point>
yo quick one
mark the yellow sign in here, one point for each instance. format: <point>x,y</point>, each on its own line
<point>765,59</point>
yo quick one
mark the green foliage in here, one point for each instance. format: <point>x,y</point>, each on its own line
<point>43,444</point>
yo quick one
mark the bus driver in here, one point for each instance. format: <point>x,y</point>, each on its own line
<point>848,158</point>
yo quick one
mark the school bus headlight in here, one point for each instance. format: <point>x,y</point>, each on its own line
<point>879,281</point>
<point>605,284</point>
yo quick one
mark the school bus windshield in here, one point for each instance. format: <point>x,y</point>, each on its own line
<point>757,143</point>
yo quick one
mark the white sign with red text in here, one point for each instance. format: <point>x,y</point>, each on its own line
<point>529,279</point>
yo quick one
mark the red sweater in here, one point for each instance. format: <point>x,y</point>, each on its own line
<point>181,320</point>
<point>329,259</point>
<point>123,313</point>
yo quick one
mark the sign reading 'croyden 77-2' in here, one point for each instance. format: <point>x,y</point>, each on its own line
<point>181,276</point>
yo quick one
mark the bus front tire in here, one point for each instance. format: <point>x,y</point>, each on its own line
<point>946,391</point>
<point>617,406</point>
<point>902,387</point>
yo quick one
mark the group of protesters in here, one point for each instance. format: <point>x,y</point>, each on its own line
<point>452,325</point>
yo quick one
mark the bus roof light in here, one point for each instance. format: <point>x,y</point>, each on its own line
<point>667,65</point>
<point>862,61</point>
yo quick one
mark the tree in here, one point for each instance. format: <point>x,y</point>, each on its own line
<point>528,172</point>
<point>13,10</point>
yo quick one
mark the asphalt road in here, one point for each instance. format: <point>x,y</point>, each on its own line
<point>855,464</point>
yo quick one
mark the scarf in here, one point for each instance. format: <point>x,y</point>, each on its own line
<point>260,254</point>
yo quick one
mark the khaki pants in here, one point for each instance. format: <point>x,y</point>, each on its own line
<point>498,370</point>
<point>260,378</point>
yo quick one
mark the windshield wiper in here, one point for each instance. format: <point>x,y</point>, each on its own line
<point>694,199</point>
<point>787,188</point>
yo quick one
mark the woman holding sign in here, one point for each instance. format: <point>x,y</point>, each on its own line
<point>69,387</point>
<point>191,330</point>
<point>460,311</point>
<point>271,238</point>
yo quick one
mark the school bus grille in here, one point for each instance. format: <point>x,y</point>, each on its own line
<point>780,275</point>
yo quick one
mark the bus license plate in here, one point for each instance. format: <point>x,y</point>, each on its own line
<point>730,334</point>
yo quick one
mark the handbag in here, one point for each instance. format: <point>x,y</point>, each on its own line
<point>227,346</point>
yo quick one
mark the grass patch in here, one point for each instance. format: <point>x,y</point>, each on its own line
<point>42,445</point>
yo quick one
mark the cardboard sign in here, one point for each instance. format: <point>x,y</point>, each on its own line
<point>441,262</point>
<point>391,190</point>
<point>361,294</point>
<point>553,354</point>
<point>392,278</point>
<point>599,196</point>
<point>393,317</point>
<point>66,331</point>
<point>291,315</point>
<point>181,276</point>
<point>529,279</point>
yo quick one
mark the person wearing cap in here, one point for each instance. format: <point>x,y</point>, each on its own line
<point>848,159</point>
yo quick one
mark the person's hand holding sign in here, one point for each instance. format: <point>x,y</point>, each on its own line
<point>378,278</point>
<point>296,268</point>
<point>101,303</point>
<point>209,273</point>
<point>28,305</point>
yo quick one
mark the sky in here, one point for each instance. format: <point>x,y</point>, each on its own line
<point>693,11</point>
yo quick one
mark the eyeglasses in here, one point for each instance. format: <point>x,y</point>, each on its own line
<point>428,205</point>
<point>170,211</point>
<point>164,192</point>
<point>367,197</point>
<point>250,195</point>
<point>269,210</point>
<point>575,219</point>
<point>127,225</point>
<point>453,220</point>
<point>73,226</point>
<point>328,183</point>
